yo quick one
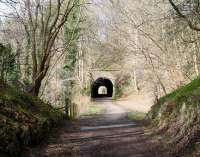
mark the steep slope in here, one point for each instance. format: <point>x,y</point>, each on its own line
<point>24,120</point>
<point>177,118</point>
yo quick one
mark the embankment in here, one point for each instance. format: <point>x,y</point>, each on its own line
<point>177,118</point>
<point>24,120</point>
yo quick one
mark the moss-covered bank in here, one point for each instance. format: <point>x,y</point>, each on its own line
<point>24,120</point>
<point>177,118</point>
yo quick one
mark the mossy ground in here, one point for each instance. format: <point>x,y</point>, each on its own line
<point>24,120</point>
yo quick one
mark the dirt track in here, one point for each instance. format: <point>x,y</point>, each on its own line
<point>73,141</point>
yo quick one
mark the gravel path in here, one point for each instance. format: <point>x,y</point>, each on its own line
<point>113,136</point>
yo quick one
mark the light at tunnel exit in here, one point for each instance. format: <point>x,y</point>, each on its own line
<point>102,87</point>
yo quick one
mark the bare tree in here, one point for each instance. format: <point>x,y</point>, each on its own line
<point>193,8</point>
<point>149,45</point>
<point>42,22</point>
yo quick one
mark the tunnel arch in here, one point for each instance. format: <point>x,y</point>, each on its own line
<point>102,81</point>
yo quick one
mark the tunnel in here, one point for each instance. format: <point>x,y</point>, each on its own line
<point>102,88</point>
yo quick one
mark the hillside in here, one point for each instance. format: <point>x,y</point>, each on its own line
<point>24,120</point>
<point>176,116</point>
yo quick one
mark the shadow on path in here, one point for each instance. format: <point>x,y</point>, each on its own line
<point>123,141</point>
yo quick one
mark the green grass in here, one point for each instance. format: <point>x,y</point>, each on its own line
<point>179,95</point>
<point>94,110</point>
<point>135,115</point>
<point>183,91</point>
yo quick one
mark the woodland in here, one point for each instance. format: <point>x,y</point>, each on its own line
<point>51,50</point>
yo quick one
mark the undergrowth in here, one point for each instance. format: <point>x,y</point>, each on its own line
<point>176,117</point>
<point>24,120</point>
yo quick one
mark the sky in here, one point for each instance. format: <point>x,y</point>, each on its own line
<point>3,9</point>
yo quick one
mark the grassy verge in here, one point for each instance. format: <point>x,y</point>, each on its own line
<point>176,117</point>
<point>135,115</point>
<point>180,94</point>
<point>94,110</point>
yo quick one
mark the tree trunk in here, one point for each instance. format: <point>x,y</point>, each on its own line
<point>36,88</point>
<point>37,82</point>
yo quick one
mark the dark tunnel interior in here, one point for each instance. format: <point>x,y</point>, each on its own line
<point>101,82</point>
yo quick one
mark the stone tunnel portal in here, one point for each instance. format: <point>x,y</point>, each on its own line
<point>97,86</point>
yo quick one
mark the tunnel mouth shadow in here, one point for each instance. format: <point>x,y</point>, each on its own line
<point>102,82</point>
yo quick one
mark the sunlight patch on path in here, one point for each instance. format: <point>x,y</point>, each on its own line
<point>107,126</point>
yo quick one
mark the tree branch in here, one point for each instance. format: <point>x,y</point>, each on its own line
<point>184,17</point>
